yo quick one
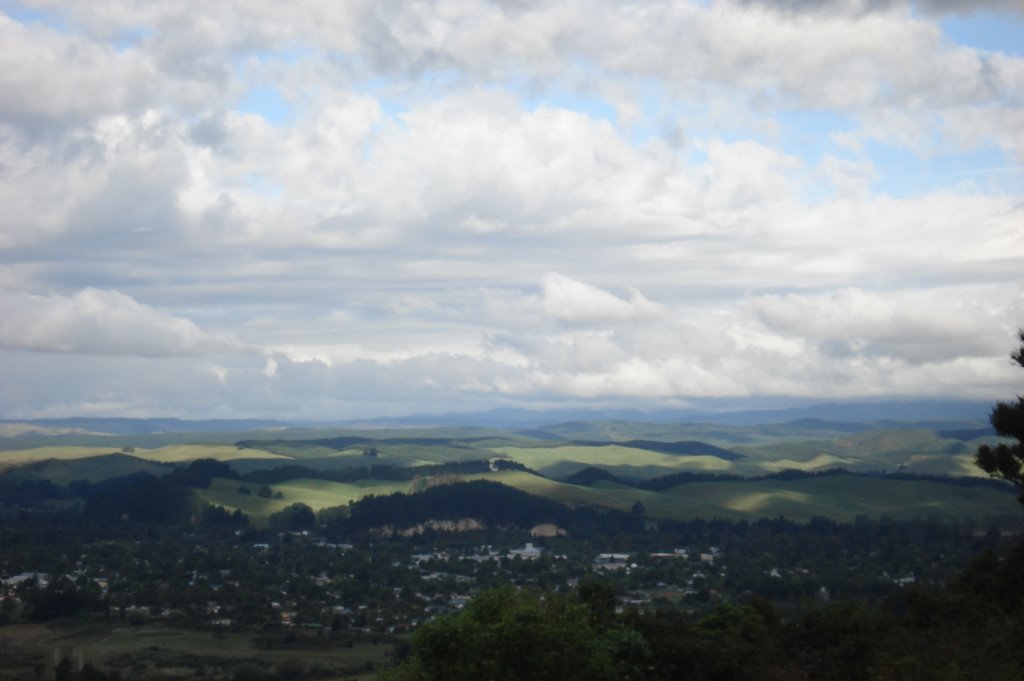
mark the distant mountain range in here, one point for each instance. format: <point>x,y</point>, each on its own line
<point>890,412</point>
<point>130,426</point>
<point>922,413</point>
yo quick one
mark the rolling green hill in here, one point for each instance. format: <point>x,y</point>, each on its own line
<point>840,497</point>
<point>844,497</point>
<point>90,468</point>
<point>167,454</point>
<point>627,450</point>
<point>656,505</point>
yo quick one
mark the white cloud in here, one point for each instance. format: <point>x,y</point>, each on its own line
<point>98,322</point>
<point>111,183</point>
<point>48,78</point>
<point>919,327</point>
<point>573,301</point>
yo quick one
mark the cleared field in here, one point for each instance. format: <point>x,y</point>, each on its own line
<point>180,453</point>
<point>565,460</point>
<point>317,494</point>
<point>324,493</point>
<point>819,462</point>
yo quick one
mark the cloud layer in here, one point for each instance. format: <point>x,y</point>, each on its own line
<point>365,208</point>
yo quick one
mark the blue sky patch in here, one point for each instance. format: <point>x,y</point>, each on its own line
<point>131,37</point>
<point>903,174</point>
<point>997,32</point>
<point>593,106</point>
<point>269,103</point>
<point>31,15</point>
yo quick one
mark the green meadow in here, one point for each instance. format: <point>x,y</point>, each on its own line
<point>317,494</point>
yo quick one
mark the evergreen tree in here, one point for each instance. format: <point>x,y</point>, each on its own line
<point>1006,461</point>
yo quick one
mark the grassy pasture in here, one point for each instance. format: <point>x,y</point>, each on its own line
<point>182,453</point>
<point>567,459</point>
<point>324,493</point>
<point>317,494</point>
<point>819,462</point>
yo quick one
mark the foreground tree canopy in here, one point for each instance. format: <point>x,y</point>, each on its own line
<point>969,629</point>
<point>1006,461</point>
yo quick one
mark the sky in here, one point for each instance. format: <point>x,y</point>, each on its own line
<point>344,210</point>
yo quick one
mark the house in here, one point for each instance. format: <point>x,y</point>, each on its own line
<point>42,579</point>
<point>528,552</point>
<point>611,561</point>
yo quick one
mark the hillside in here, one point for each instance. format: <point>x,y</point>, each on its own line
<point>324,467</point>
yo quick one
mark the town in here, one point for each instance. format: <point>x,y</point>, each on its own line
<point>256,580</point>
